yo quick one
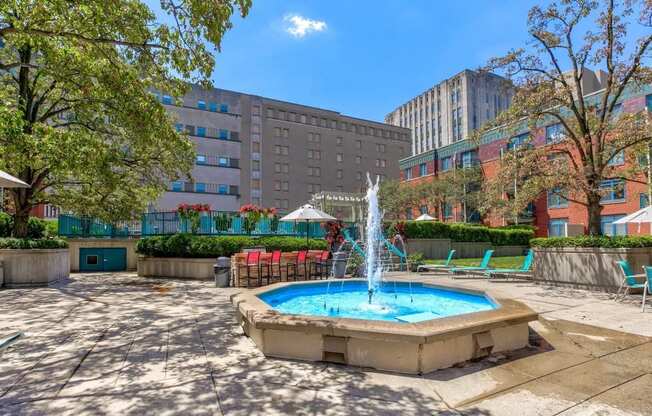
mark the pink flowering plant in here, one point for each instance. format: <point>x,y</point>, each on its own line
<point>191,213</point>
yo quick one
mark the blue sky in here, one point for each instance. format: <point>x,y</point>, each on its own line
<point>363,57</point>
<point>371,56</point>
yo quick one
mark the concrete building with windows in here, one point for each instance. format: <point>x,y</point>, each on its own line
<point>272,153</point>
<point>449,111</point>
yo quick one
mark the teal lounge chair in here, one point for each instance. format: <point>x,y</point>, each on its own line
<point>433,267</point>
<point>630,279</point>
<point>648,285</point>
<point>484,264</point>
<point>525,267</point>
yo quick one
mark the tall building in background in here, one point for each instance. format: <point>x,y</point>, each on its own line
<point>451,110</point>
<point>272,153</point>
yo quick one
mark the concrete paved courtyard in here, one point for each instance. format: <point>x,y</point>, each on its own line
<point>118,344</point>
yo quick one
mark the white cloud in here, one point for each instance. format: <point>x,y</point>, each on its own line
<point>299,26</point>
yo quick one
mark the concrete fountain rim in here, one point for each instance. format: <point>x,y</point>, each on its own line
<point>262,316</point>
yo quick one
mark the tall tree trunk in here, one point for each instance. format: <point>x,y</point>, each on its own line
<point>594,210</point>
<point>22,207</point>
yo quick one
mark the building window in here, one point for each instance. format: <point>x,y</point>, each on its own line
<point>338,141</point>
<point>340,174</point>
<point>270,112</point>
<point>201,105</point>
<point>614,190</point>
<point>201,159</point>
<point>408,173</point>
<point>358,160</point>
<point>177,186</point>
<point>555,133</point>
<point>448,210</point>
<point>408,214</point>
<point>281,150</point>
<point>447,163</point>
<point>648,102</point>
<point>200,187</point>
<point>358,176</point>
<point>314,171</point>
<point>618,159</point>
<point>277,132</point>
<point>423,169</point>
<point>468,159</point>
<point>340,157</point>
<point>212,107</point>
<point>557,227</point>
<point>608,227</point>
<point>223,189</point>
<point>223,161</point>
<point>380,148</point>
<point>179,127</point>
<point>518,141</point>
<point>166,99</point>
<point>423,209</point>
<point>358,144</point>
<point>224,108</point>
<point>255,165</point>
<point>201,131</point>
<point>224,134</point>
<point>556,200</point>
<point>643,200</point>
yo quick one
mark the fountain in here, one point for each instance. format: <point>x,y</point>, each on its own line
<point>397,325</point>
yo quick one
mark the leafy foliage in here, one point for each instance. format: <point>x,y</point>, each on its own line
<point>187,245</point>
<point>549,82</point>
<point>30,244</point>
<point>78,120</point>
<point>467,233</point>
<point>36,227</point>
<point>593,241</point>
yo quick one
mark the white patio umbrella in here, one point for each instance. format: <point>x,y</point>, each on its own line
<point>643,215</point>
<point>425,217</point>
<point>8,181</point>
<point>308,213</point>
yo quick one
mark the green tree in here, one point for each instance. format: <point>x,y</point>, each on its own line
<point>395,197</point>
<point>78,121</point>
<point>593,130</point>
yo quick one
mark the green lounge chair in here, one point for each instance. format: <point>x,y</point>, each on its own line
<point>648,285</point>
<point>484,264</point>
<point>524,269</point>
<point>630,279</point>
<point>433,267</point>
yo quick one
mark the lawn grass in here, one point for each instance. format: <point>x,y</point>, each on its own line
<point>511,262</point>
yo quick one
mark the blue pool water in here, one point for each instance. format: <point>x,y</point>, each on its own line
<point>396,302</point>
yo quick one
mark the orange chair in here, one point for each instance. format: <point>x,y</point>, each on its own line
<point>252,262</point>
<point>274,263</point>
<point>300,260</point>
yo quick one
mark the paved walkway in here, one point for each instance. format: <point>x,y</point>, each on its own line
<point>119,344</point>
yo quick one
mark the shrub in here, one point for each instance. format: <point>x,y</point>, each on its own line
<point>51,228</point>
<point>593,241</point>
<point>26,243</point>
<point>36,227</point>
<point>467,233</point>
<point>186,245</point>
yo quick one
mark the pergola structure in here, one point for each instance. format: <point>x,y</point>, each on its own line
<point>346,206</point>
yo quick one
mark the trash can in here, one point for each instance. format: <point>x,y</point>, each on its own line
<point>339,264</point>
<point>222,271</point>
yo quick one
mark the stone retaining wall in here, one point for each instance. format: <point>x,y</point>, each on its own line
<point>593,268</point>
<point>39,267</point>
<point>176,267</point>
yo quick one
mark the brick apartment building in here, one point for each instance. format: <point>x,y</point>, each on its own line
<point>550,214</point>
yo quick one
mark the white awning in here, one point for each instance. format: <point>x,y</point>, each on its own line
<point>308,213</point>
<point>8,181</point>
<point>425,217</point>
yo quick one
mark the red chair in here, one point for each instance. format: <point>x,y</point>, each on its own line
<point>252,262</point>
<point>322,265</point>
<point>274,262</point>
<point>300,260</point>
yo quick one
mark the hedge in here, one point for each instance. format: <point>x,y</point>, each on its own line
<point>593,241</point>
<point>36,227</point>
<point>27,243</point>
<point>195,246</point>
<point>468,233</point>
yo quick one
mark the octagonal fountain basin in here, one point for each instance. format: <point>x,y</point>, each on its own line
<point>395,302</point>
<point>408,328</point>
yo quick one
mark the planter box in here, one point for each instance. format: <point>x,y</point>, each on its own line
<point>39,267</point>
<point>593,268</point>
<point>176,267</point>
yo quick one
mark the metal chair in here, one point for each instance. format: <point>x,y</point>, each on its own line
<point>322,265</point>
<point>252,261</point>
<point>300,260</point>
<point>274,262</point>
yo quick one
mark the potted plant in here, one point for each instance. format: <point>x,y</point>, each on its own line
<point>250,213</point>
<point>192,214</point>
